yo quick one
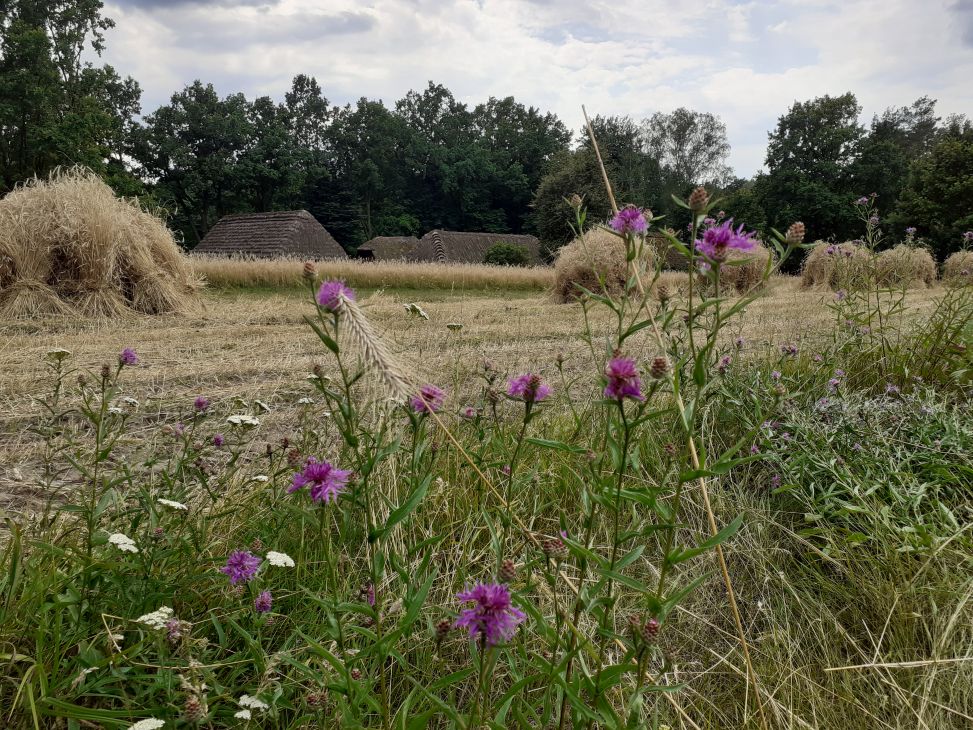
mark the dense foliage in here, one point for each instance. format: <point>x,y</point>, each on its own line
<point>506,254</point>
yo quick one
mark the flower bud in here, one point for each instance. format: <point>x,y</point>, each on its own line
<point>650,630</point>
<point>443,628</point>
<point>309,273</point>
<point>795,233</point>
<point>698,199</point>
<point>507,572</point>
<point>575,201</point>
<point>660,366</point>
<point>662,293</point>
<point>193,710</point>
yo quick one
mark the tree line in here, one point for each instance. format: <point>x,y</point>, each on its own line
<point>430,161</point>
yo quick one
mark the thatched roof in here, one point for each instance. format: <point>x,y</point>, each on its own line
<point>271,235</point>
<point>466,247</point>
<point>388,248</point>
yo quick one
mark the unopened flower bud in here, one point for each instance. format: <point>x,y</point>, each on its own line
<point>193,710</point>
<point>356,674</point>
<point>105,372</point>
<point>554,548</point>
<point>257,545</point>
<point>309,272</point>
<point>650,630</point>
<point>575,201</point>
<point>660,366</point>
<point>698,199</point>
<point>662,293</point>
<point>795,233</point>
<point>507,572</point>
<point>442,630</point>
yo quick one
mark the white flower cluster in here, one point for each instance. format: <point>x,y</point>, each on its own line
<point>305,401</point>
<point>130,401</point>
<point>123,542</point>
<point>281,560</point>
<point>149,724</point>
<point>172,503</point>
<point>262,406</point>
<point>248,704</point>
<point>158,618</point>
<point>260,478</point>
<point>243,419</point>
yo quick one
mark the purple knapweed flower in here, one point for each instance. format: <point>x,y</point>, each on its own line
<point>789,349</point>
<point>718,240</point>
<point>910,231</point>
<point>629,220</point>
<point>128,357</point>
<point>330,293</point>
<point>721,215</point>
<point>709,222</point>
<point>528,388</point>
<point>241,566</point>
<point>623,379</point>
<point>840,295</point>
<point>179,429</point>
<point>775,375</point>
<point>367,594</point>
<point>775,481</point>
<point>263,602</point>
<point>831,250</point>
<point>833,384</point>
<point>468,412</point>
<point>873,220</point>
<point>218,440</point>
<point>201,404</point>
<point>891,389</point>
<point>428,400</point>
<point>493,617</point>
<point>818,358</point>
<point>724,364</point>
<point>856,446</point>
<point>968,237</point>
<point>324,481</point>
<point>863,200</point>
<point>754,449</point>
<point>505,470</point>
<point>739,342</point>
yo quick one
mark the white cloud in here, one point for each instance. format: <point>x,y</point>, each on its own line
<point>746,61</point>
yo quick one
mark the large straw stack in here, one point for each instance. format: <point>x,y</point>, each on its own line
<point>908,267</point>
<point>958,269</point>
<point>595,262</point>
<point>836,266</point>
<point>69,246</point>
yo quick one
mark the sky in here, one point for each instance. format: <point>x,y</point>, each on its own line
<point>744,61</point>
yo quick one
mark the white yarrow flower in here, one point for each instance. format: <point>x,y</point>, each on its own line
<point>243,714</point>
<point>115,410</point>
<point>130,402</point>
<point>252,702</point>
<point>123,542</point>
<point>172,503</point>
<point>281,560</point>
<point>260,478</point>
<point>305,401</point>
<point>58,353</point>
<point>149,724</point>
<point>158,618</point>
<point>243,419</point>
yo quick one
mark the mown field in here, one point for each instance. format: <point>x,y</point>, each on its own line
<point>851,567</point>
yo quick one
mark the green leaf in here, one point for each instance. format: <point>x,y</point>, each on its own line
<point>328,342</point>
<point>679,556</point>
<point>405,509</point>
<point>557,445</point>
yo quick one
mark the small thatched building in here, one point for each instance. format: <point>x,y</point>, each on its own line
<point>389,248</point>
<point>290,233</point>
<point>470,248</point>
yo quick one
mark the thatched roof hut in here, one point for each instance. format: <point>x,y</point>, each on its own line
<point>470,248</point>
<point>389,248</point>
<point>271,235</point>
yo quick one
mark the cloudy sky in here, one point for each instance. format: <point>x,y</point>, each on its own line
<point>746,61</point>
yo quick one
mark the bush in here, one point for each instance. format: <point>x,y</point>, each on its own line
<point>906,266</point>
<point>506,254</point>
<point>595,262</point>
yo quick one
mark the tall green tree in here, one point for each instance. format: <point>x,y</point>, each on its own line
<point>691,147</point>
<point>810,162</point>
<point>56,109</point>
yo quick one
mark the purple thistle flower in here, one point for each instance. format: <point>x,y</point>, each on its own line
<point>831,250</point>
<point>201,404</point>
<point>623,379</point>
<point>218,440</point>
<point>718,240</point>
<point>789,349</point>
<point>241,566</point>
<point>324,481</point>
<point>739,342</point>
<point>775,481</point>
<point>754,449</point>
<point>128,357</point>
<point>724,363</point>
<point>174,630</point>
<point>505,470</point>
<point>330,293</point>
<point>863,200</point>
<point>367,594</point>
<point>910,231</point>
<point>629,220</point>
<point>179,429</point>
<point>528,388</point>
<point>493,617</point>
<point>775,375</point>
<point>873,220</point>
<point>891,389</point>
<point>709,222</point>
<point>840,295</point>
<point>968,237</point>
<point>833,384</point>
<point>263,602</point>
<point>468,412</point>
<point>431,400</point>
<point>818,358</point>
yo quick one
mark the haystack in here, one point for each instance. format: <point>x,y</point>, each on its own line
<point>69,246</point>
<point>836,266</point>
<point>595,262</point>
<point>744,278</point>
<point>905,266</point>
<point>958,269</point>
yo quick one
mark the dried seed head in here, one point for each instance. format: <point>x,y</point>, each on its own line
<point>662,293</point>
<point>158,533</point>
<point>443,628</point>
<point>671,449</point>
<point>309,272</point>
<point>575,201</point>
<point>660,366</point>
<point>356,674</point>
<point>270,451</point>
<point>698,199</point>
<point>507,572</point>
<point>317,370</point>
<point>105,372</point>
<point>795,233</point>
<point>317,699</point>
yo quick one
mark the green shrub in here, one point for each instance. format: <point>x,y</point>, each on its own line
<point>506,254</point>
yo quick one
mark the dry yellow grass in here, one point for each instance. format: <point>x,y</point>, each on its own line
<point>221,272</point>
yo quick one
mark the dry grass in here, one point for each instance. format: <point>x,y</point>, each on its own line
<point>224,272</point>
<point>596,262</point>
<point>906,266</point>
<point>69,246</point>
<point>836,266</point>
<point>958,268</point>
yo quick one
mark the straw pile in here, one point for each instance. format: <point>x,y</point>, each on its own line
<point>958,269</point>
<point>905,266</point>
<point>745,277</point>
<point>836,266</point>
<point>69,246</point>
<point>596,262</point>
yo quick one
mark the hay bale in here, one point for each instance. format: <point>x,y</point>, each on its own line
<point>744,278</point>
<point>958,269</point>
<point>911,267</point>
<point>836,266</point>
<point>595,261</point>
<point>69,246</point>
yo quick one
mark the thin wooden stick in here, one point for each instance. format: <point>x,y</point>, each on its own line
<point>604,175</point>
